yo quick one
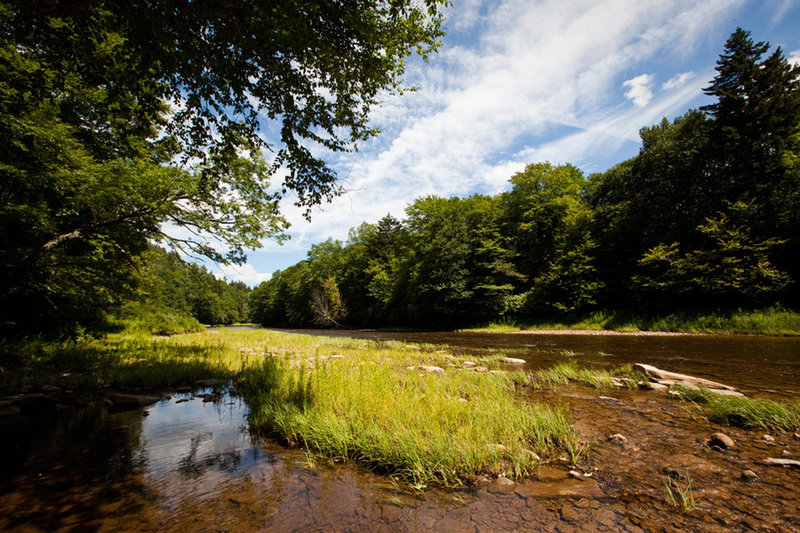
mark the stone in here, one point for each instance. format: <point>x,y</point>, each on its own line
<point>513,361</point>
<point>469,363</point>
<point>431,369</point>
<point>501,484</point>
<point>533,455</point>
<point>10,411</point>
<point>721,440</point>
<point>786,454</point>
<point>797,436</point>
<point>773,461</point>
<point>575,474</point>
<point>749,475</point>
<point>654,385</point>
<point>664,376</point>
<point>131,401</point>
<point>768,438</point>
<point>569,514</point>
<point>618,438</point>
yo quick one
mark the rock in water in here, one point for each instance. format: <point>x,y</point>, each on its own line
<point>514,361</point>
<point>131,401</point>
<point>618,438</point>
<point>749,475</point>
<point>672,378</point>
<point>782,462</point>
<point>721,440</point>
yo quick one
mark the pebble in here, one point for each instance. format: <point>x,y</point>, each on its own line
<point>618,438</point>
<point>575,474</point>
<point>768,438</point>
<point>749,475</point>
<point>787,453</point>
<point>721,440</point>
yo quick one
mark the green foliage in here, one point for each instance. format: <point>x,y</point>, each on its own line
<point>174,296</point>
<point>731,267</point>
<point>118,131</point>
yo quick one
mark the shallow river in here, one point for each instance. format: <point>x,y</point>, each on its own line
<point>188,465</point>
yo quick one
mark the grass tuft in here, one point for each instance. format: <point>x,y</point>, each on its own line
<point>744,412</point>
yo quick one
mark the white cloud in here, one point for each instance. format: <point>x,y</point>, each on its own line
<point>246,273</point>
<point>677,81</point>
<point>794,57</point>
<point>639,89</point>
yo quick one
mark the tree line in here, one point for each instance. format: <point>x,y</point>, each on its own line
<point>704,217</point>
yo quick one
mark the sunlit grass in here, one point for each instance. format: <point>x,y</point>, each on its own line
<point>743,412</point>
<point>375,406</point>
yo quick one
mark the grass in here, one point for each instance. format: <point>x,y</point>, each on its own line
<point>564,373</point>
<point>337,398</point>
<point>769,321</point>
<point>374,407</point>
<point>743,412</point>
<point>683,490</point>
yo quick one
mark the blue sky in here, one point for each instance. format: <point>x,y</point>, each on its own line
<point>522,81</point>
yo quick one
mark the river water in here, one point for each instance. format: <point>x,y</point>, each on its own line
<point>183,464</point>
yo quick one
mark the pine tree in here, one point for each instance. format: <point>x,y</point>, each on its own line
<point>756,137</point>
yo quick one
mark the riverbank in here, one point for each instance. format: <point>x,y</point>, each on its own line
<point>769,321</point>
<point>360,422</point>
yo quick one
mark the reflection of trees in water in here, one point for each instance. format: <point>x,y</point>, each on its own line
<point>91,442</point>
<point>192,466</point>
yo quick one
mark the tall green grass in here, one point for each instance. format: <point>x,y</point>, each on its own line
<point>445,428</point>
<point>744,412</point>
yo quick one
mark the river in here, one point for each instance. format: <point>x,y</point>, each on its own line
<point>183,464</point>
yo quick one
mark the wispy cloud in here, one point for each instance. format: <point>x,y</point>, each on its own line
<point>522,81</point>
<point>677,81</point>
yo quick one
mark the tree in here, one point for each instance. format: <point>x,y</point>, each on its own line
<point>730,268</point>
<point>756,126</point>
<point>121,119</point>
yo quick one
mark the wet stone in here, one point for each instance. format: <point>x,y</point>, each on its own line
<point>618,438</point>
<point>768,438</point>
<point>721,440</point>
<point>749,475</point>
<point>501,485</point>
<point>787,454</point>
<point>569,514</point>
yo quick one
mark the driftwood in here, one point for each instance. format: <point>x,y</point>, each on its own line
<point>663,377</point>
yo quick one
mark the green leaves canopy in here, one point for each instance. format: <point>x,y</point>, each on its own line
<point>121,119</point>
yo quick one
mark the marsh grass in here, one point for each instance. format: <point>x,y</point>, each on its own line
<point>571,372</point>
<point>122,361</point>
<point>339,399</point>
<point>370,408</point>
<point>743,412</point>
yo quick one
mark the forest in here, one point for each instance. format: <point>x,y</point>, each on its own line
<point>703,219</point>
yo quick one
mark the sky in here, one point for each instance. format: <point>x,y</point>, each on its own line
<point>523,81</point>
